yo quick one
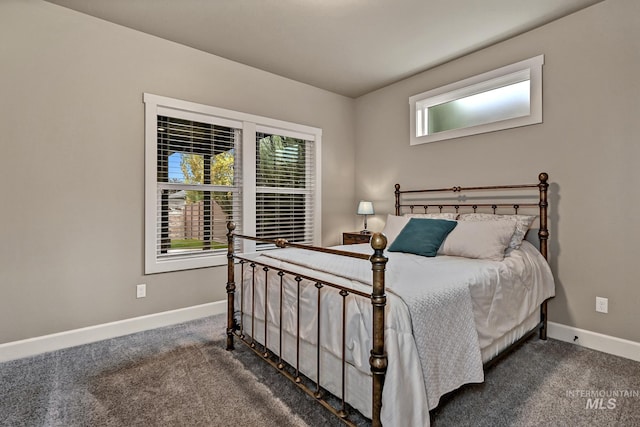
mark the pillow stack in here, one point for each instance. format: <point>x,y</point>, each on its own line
<point>474,235</point>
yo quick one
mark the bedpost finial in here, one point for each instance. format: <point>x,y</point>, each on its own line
<point>281,243</point>
<point>397,187</point>
<point>543,177</point>
<point>231,225</point>
<point>378,241</point>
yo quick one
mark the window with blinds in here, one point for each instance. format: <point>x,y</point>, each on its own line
<point>197,179</point>
<point>198,186</point>
<point>285,184</point>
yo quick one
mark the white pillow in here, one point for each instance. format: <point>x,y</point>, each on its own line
<point>440,215</point>
<point>523,222</point>
<point>394,226</point>
<point>479,239</point>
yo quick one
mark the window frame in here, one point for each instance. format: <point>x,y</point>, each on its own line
<point>479,83</point>
<point>159,105</point>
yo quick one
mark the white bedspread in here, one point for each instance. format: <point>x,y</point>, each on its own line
<point>440,312</point>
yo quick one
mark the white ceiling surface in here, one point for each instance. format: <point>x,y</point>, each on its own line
<point>350,47</point>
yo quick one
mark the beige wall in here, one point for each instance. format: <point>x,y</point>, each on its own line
<point>71,163</point>
<point>588,143</point>
<point>71,133</point>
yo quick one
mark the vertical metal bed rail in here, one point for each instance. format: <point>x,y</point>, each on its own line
<point>543,236</point>
<point>231,286</point>
<point>253,304</point>
<point>242,297</point>
<point>543,232</point>
<point>343,412</point>
<point>266,310</point>
<point>280,356</point>
<point>378,358</point>
<point>318,393</point>
<point>298,279</point>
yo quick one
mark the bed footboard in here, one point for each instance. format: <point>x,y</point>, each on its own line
<point>378,356</point>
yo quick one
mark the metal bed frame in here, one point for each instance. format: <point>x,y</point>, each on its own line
<point>378,356</point>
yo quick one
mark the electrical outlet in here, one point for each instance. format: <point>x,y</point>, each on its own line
<point>141,290</point>
<point>602,305</point>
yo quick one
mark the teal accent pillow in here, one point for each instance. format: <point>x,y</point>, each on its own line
<point>422,236</point>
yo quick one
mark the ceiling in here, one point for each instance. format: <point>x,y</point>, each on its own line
<point>350,47</point>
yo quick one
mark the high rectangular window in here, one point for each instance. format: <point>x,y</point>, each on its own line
<point>508,97</point>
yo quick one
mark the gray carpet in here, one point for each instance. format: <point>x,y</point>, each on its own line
<point>548,383</point>
<point>174,376</point>
<point>182,376</point>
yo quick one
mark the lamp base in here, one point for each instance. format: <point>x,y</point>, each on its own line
<point>365,232</point>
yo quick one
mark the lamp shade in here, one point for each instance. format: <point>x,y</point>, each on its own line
<point>365,208</point>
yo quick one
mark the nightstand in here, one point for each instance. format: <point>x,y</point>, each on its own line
<point>355,237</point>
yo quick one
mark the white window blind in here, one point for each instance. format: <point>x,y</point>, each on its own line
<point>285,185</point>
<point>198,186</point>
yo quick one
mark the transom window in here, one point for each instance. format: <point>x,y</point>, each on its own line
<point>508,97</point>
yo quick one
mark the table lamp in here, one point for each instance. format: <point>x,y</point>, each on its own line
<point>365,208</point>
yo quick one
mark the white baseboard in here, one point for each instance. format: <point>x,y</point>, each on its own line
<point>605,343</point>
<point>33,346</point>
